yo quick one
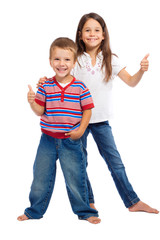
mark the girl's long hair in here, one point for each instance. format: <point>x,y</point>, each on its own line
<point>105,44</point>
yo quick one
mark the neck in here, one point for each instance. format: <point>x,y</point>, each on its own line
<point>92,52</point>
<point>66,79</point>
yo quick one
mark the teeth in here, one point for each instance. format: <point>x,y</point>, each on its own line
<point>92,39</point>
<point>61,69</point>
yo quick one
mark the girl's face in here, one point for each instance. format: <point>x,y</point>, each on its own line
<point>92,34</point>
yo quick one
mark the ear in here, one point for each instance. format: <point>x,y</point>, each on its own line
<point>50,62</point>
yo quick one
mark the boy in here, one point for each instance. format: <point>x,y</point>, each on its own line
<point>64,105</point>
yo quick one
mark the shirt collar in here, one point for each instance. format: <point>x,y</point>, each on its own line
<point>99,55</point>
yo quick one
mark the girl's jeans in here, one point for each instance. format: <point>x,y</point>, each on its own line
<point>73,164</point>
<point>103,137</point>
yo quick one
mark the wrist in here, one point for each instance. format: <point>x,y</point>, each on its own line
<point>81,131</point>
<point>32,103</point>
<point>141,71</point>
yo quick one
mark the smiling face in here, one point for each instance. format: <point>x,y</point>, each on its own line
<point>62,62</point>
<point>92,34</point>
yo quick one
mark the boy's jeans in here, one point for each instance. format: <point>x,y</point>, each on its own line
<point>73,164</point>
<point>103,137</point>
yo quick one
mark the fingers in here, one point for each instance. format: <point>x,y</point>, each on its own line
<point>30,88</point>
<point>74,134</point>
<point>31,94</point>
<point>41,81</point>
<point>145,63</point>
<point>147,55</point>
<point>71,134</point>
<point>68,134</point>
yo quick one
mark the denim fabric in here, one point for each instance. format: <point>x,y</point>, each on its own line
<point>102,134</point>
<point>73,164</point>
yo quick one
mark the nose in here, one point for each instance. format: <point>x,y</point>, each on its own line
<point>92,33</point>
<point>61,62</point>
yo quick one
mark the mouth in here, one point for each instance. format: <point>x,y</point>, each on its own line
<point>92,39</point>
<point>61,70</point>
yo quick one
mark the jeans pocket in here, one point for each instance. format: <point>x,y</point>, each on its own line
<point>74,141</point>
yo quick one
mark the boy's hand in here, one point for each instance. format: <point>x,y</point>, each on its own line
<point>145,63</point>
<point>74,134</point>
<point>41,81</point>
<point>31,95</point>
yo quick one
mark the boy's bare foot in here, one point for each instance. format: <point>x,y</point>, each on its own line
<point>142,207</point>
<point>92,206</point>
<point>22,218</point>
<point>94,220</point>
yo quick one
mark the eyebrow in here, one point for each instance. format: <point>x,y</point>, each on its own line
<point>94,27</point>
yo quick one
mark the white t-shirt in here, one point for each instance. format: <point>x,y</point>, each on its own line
<point>63,84</point>
<point>101,91</point>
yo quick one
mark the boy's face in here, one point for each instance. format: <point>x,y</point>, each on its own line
<point>62,62</point>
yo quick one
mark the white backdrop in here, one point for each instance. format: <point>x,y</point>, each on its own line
<point>27,30</point>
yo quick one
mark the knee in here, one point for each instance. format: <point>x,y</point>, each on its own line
<point>118,167</point>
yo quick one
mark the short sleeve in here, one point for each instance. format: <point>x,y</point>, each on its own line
<point>117,66</point>
<point>41,96</point>
<point>86,99</point>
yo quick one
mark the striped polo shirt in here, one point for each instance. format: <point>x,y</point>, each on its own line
<point>63,106</point>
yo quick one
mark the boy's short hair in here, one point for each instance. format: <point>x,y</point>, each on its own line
<point>64,43</point>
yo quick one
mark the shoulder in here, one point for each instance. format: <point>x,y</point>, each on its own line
<point>117,65</point>
<point>48,82</point>
<point>80,84</point>
<point>81,63</point>
<point>44,87</point>
<point>82,56</point>
<point>82,59</point>
<point>115,59</point>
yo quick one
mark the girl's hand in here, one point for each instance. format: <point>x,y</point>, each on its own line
<point>41,81</point>
<point>74,134</point>
<point>31,95</point>
<point>145,63</point>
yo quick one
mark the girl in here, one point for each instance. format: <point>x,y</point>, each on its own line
<point>97,67</point>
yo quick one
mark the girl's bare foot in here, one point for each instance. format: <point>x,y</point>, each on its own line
<point>94,220</point>
<point>142,207</point>
<point>92,206</point>
<point>22,218</point>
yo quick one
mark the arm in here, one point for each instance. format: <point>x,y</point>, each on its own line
<point>132,81</point>
<point>83,125</point>
<point>37,109</point>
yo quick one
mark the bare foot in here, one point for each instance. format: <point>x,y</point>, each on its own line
<point>92,206</point>
<point>94,220</point>
<point>22,218</point>
<point>142,207</point>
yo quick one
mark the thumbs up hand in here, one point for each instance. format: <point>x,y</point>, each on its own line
<point>31,95</point>
<point>145,63</point>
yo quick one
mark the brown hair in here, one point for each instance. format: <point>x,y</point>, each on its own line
<point>64,43</point>
<point>105,44</point>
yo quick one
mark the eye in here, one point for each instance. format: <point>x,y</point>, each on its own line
<point>56,59</point>
<point>67,59</point>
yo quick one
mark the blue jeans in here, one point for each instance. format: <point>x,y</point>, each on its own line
<point>104,139</point>
<point>73,164</point>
